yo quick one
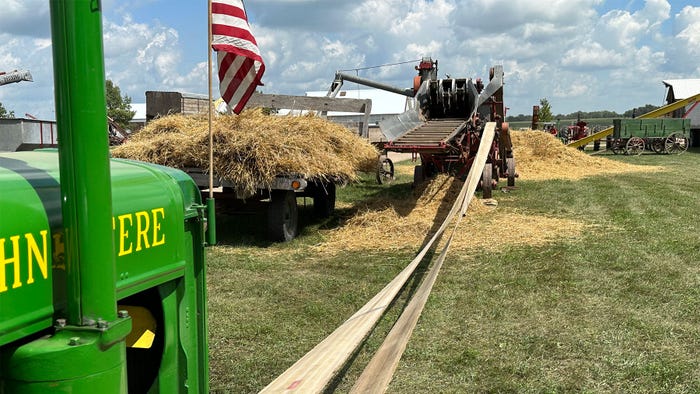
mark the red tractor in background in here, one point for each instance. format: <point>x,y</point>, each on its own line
<point>577,131</point>
<point>551,128</point>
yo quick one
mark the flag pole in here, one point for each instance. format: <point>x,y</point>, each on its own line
<point>209,80</point>
<point>211,215</point>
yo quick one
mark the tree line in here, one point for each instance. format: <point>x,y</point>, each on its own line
<point>545,114</point>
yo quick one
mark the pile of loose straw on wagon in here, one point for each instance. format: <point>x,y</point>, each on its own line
<point>252,148</point>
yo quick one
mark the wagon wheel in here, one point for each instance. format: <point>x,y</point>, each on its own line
<point>282,216</point>
<point>418,176</point>
<point>616,146</point>
<point>486,178</point>
<point>634,146</point>
<point>324,199</point>
<point>510,163</point>
<point>385,170</point>
<point>658,145</point>
<point>676,143</point>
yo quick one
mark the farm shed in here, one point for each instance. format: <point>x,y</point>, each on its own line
<point>21,134</point>
<point>679,89</point>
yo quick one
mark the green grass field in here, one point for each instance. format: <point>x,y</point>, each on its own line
<point>613,310</point>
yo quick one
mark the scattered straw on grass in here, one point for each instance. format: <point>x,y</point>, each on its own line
<point>541,156</point>
<point>252,148</point>
<point>400,224</point>
<point>493,231</point>
<point>408,223</point>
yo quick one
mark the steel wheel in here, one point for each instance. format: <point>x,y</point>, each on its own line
<point>634,146</point>
<point>510,163</point>
<point>486,179</point>
<point>385,170</point>
<point>658,145</point>
<point>616,146</point>
<point>418,176</point>
<point>676,143</point>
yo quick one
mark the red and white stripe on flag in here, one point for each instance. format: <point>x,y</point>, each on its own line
<point>239,62</point>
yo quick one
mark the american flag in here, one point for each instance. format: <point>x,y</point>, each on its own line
<point>239,62</point>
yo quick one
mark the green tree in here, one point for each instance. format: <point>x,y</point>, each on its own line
<point>545,111</point>
<point>5,113</point>
<point>117,105</point>
<point>635,112</point>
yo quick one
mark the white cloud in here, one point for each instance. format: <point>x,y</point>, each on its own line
<point>575,89</point>
<point>622,29</point>
<point>25,18</point>
<point>141,57</point>
<point>684,48</point>
<point>592,55</point>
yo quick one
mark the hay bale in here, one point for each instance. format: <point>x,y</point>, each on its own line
<point>252,148</point>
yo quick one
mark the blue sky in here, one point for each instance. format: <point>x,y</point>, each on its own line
<point>579,54</point>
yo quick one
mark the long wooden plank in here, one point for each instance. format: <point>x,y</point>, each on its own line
<point>313,372</point>
<point>282,101</point>
<point>379,371</point>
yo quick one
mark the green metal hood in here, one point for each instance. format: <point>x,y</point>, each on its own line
<point>150,206</point>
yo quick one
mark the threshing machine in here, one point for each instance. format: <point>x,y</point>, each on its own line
<point>102,272</point>
<point>445,125</point>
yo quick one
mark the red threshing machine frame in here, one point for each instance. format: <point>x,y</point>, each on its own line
<point>444,127</point>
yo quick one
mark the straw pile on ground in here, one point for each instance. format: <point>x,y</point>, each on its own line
<point>252,148</point>
<point>407,223</point>
<point>541,156</point>
<point>404,224</point>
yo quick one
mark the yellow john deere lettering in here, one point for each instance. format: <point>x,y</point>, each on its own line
<point>11,254</point>
<point>21,254</point>
<point>139,230</point>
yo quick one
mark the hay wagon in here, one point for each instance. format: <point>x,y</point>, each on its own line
<point>277,200</point>
<point>661,136</point>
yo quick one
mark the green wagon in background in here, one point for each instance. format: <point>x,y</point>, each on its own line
<point>662,136</point>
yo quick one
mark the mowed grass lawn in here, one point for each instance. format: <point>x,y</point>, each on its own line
<point>615,309</point>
